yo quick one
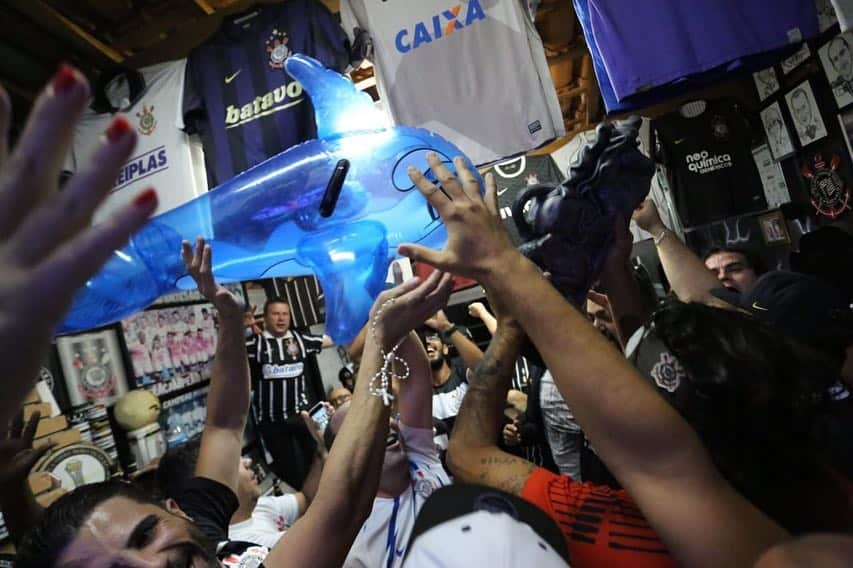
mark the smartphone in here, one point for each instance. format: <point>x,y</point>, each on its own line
<point>319,413</point>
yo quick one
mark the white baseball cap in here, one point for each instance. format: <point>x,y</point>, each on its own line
<point>472,525</point>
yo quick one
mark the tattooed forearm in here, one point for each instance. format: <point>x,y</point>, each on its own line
<point>505,472</point>
<point>478,422</point>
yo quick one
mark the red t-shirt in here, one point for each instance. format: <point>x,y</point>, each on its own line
<point>603,527</point>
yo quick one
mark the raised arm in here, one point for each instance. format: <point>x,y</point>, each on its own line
<point>646,443</point>
<point>414,397</point>
<point>228,398</point>
<point>467,349</point>
<point>687,275</point>
<point>473,455</point>
<point>478,310</point>
<point>351,475</point>
<point>628,305</point>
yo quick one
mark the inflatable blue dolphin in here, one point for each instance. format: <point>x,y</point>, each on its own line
<point>337,207</point>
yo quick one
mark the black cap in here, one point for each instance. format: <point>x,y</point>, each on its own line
<point>805,308</point>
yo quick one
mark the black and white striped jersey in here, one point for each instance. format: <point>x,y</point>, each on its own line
<point>278,373</point>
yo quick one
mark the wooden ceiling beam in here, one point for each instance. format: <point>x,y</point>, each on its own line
<point>56,22</point>
<point>205,7</point>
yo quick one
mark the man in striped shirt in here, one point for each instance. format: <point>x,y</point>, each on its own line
<point>283,386</point>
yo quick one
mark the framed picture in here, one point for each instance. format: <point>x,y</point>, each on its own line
<point>836,57</point>
<point>826,17</point>
<point>766,82</point>
<point>796,60</point>
<point>93,367</point>
<point>182,417</point>
<point>807,120</point>
<point>774,231</point>
<point>171,348</point>
<point>778,137</point>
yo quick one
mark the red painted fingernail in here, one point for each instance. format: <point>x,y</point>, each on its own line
<point>145,198</point>
<point>118,129</point>
<point>65,79</point>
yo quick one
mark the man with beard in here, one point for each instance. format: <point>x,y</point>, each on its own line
<point>411,470</point>
<point>112,524</point>
<point>449,380</point>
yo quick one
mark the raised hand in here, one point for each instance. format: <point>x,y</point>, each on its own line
<point>511,436</point>
<point>476,310</point>
<point>198,263</point>
<point>476,240</point>
<point>647,217</point>
<point>439,321</point>
<point>49,248</point>
<point>403,308</point>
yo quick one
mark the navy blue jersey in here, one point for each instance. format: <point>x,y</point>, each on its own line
<point>240,98</point>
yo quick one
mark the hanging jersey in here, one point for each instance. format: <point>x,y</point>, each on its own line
<point>709,162</point>
<point>243,103</point>
<point>279,374</point>
<point>690,38</point>
<point>384,536</point>
<point>473,71</point>
<point>516,175</point>
<point>163,157</point>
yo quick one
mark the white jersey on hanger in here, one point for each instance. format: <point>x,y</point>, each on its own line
<point>163,157</point>
<point>474,71</point>
<point>844,11</point>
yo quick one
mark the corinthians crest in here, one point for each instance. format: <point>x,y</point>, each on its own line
<point>826,188</point>
<point>277,49</point>
<point>147,122</point>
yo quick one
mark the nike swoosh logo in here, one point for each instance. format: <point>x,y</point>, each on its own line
<point>401,552</point>
<point>230,78</point>
<point>755,306</point>
<point>680,140</point>
<point>502,191</point>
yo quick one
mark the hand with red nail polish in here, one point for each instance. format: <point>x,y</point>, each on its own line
<point>48,246</point>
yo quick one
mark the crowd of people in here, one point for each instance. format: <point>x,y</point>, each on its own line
<point>719,421</point>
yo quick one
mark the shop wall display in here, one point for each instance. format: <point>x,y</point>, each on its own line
<point>189,296</point>
<point>51,373</point>
<point>93,367</point>
<point>778,137</point>
<point>182,417</point>
<point>171,348</point>
<point>796,60</point>
<point>836,57</point>
<point>766,82</point>
<point>773,229</point>
<point>807,119</point>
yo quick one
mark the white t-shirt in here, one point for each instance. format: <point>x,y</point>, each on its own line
<point>382,540</point>
<point>269,521</point>
<point>474,73</point>
<point>163,157</point>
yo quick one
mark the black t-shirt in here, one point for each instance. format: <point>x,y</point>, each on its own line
<point>709,162</point>
<point>210,505</point>
<point>514,176</point>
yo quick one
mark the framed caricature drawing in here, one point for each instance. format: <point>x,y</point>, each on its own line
<point>778,137</point>
<point>766,83</point>
<point>804,110</point>
<point>836,57</point>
